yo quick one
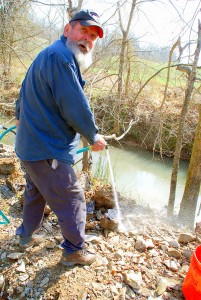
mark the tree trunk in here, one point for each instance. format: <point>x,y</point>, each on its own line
<point>122,62</point>
<point>188,93</point>
<point>192,188</point>
<point>87,159</point>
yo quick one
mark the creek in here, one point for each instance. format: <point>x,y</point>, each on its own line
<point>140,176</point>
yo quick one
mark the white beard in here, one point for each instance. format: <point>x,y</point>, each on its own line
<point>84,59</point>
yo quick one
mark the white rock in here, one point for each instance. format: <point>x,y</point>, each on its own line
<point>174,243</point>
<point>171,264</point>
<point>2,280</point>
<point>154,253</point>
<point>149,244</point>
<point>161,286</point>
<point>15,256</point>
<point>133,279</point>
<point>3,255</point>
<point>44,281</point>
<point>114,239</point>
<point>114,290</point>
<point>21,267</point>
<point>119,254</point>
<point>23,277</point>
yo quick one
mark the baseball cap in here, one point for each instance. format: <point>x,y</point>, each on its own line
<point>88,18</point>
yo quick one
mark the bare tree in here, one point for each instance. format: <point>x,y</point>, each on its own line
<point>188,95</point>
<point>122,56</point>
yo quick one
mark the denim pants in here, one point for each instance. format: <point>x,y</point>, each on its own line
<point>60,189</point>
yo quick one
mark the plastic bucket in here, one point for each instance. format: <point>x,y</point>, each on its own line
<point>191,287</point>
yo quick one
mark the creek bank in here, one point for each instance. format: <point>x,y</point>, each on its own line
<point>148,261</point>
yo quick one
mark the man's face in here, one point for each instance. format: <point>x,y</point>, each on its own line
<point>79,33</point>
<point>81,41</point>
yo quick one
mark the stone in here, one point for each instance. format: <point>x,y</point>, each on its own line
<point>185,238</point>
<point>187,253</point>
<point>174,243</point>
<point>161,286</point>
<point>7,166</point>
<point>109,224</point>
<point>171,264</point>
<point>15,255</point>
<point>174,253</point>
<point>149,244</point>
<point>23,277</point>
<point>44,281</point>
<point>21,267</point>
<point>140,244</point>
<point>2,280</point>
<point>103,197</point>
<point>133,279</point>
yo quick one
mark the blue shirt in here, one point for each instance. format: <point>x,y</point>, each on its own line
<point>53,108</point>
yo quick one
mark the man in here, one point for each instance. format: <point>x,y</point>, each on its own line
<point>53,111</point>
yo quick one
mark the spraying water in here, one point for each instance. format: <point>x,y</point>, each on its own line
<point>121,227</point>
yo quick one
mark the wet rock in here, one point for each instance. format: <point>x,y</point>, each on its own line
<point>3,255</point>
<point>7,166</point>
<point>90,209</point>
<point>50,245</point>
<point>109,224</point>
<point>103,197</point>
<point>44,281</point>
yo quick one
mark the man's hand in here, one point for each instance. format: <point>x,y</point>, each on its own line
<point>99,145</point>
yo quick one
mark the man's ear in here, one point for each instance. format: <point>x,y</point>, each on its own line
<point>66,29</point>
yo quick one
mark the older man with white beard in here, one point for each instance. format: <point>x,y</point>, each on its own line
<point>53,111</point>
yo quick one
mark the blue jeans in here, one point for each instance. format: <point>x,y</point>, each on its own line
<point>60,189</point>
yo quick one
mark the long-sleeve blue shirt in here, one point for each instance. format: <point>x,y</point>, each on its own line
<point>53,108</point>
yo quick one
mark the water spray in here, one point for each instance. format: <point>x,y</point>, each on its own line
<point>121,226</point>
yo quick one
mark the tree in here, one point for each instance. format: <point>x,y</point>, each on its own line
<point>188,94</point>
<point>189,201</point>
<point>122,56</point>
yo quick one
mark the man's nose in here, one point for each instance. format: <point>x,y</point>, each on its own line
<point>88,39</point>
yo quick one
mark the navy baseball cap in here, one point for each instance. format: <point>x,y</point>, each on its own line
<point>88,18</point>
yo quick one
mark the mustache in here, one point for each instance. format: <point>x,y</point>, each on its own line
<point>85,43</point>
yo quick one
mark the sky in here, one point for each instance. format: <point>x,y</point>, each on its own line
<point>158,23</point>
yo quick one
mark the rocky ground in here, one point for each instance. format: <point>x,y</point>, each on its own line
<point>146,258</point>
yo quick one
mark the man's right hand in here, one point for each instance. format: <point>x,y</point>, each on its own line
<point>100,144</point>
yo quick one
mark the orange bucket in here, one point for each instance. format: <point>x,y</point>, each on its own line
<point>191,287</point>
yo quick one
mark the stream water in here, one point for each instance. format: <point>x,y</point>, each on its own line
<point>140,176</point>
